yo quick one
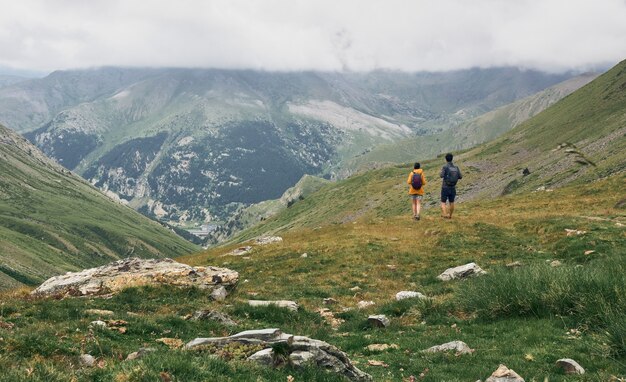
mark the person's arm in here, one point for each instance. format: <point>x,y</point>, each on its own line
<point>423,179</point>
<point>442,173</point>
<point>408,181</point>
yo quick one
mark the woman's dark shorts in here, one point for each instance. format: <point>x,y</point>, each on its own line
<point>448,193</point>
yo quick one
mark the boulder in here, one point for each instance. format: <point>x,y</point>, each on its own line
<point>459,347</point>
<point>504,374</point>
<point>291,305</point>
<point>570,366</point>
<point>132,272</point>
<point>408,294</point>
<point>301,350</point>
<point>265,240</point>
<point>378,321</point>
<point>461,272</point>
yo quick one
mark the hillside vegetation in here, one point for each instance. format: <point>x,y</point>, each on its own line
<point>52,221</point>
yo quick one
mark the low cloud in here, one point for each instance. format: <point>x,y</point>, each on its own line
<point>358,35</point>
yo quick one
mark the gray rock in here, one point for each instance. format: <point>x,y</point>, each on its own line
<point>515,264</point>
<point>99,312</point>
<point>87,360</point>
<point>265,240</point>
<point>139,353</point>
<point>378,321</point>
<point>570,366</point>
<point>132,272</point>
<point>219,294</point>
<point>365,304</point>
<point>459,347</point>
<point>504,374</point>
<point>302,350</point>
<point>263,357</point>
<point>239,251</point>
<point>408,294</point>
<point>330,301</point>
<point>291,305</point>
<point>214,315</point>
<point>461,272</point>
<point>555,263</point>
<point>98,324</point>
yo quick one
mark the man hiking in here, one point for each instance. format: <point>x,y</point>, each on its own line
<point>416,182</point>
<point>450,175</point>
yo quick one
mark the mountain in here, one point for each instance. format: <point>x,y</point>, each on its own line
<point>7,79</point>
<point>578,140</point>
<point>483,128</point>
<point>196,145</point>
<point>53,221</point>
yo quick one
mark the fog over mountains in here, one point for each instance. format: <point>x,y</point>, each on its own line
<point>195,144</point>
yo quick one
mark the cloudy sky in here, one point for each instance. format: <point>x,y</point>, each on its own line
<point>358,35</point>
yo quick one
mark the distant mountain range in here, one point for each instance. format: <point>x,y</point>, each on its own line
<point>52,221</point>
<point>192,144</point>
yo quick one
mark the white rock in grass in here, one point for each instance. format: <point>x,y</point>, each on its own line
<point>459,347</point>
<point>365,304</point>
<point>219,294</point>
<point>87,360</point>
<point>409,294</point>
<point>291,305</point>
<point>570,366</point>
<point>98,324</point>
<point>461,272</point>
<point>263,357</point>
<point>504,374</point>
<point>379,321</point>
<point>268,240</point>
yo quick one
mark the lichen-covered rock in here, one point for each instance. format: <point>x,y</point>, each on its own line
<point>461,272</point>
<point>214,316</point>
<point>378,321</point>
<point>265,240</point>
<point>409,294</point>
<point>302,350</point>
<point>132,272</point>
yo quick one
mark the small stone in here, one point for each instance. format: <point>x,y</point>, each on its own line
<point>139,354</point>
<point>408,294</point>
<point>330,301</point>
<point>515,264</point>
<point>291,305</point>
<point>504,374</point>
<point>239,251</point>
<point>555,263</point>
<point>378,321</point>
<point>87,360</point>
<point>381,347</point>
<point>212,315</point>
<point>355,289</point>
<point>265,240</point>
<point>574,232</point>
<point>219,294</point>
<point>99,312</point>
<point>98,324</point>
<point>461,272</point>
<point>364,304</point>
<point>459,347</point>
<point>304,255</point>
<point>372,362</point>
<point>589,252</point>
<point>570,366</point>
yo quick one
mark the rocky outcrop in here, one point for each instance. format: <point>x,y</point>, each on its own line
<point>461,272</point>
<point>298,351</point>
<point>132,272</point>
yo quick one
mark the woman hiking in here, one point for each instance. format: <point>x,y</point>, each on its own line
<point>416,182</point>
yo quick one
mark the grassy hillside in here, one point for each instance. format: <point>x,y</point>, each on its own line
<point>483,128</point>
<point>52,221</point>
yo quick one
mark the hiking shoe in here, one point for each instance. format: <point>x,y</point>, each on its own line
<point>417,217</point>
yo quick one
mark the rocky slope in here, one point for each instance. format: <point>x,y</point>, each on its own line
<point>53,221</point>
<point>184,144</point>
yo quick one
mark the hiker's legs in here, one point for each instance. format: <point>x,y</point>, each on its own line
<point>418,207</point>
<point>415,209</point>
<point>451,209</point>
<point>444,213</point>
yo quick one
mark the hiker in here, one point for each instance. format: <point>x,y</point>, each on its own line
<point>416,182</point>
<point>450,175</point>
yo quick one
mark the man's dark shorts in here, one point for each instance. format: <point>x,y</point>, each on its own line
<point>448,193</point>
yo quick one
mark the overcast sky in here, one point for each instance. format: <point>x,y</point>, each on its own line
<point>357,35</point>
